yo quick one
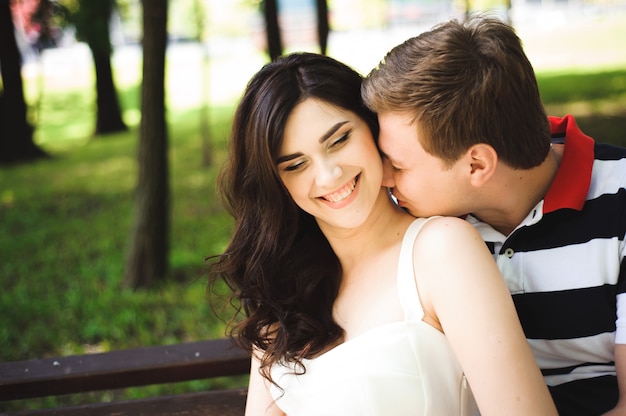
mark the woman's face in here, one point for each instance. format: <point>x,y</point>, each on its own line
<point>329,163</point>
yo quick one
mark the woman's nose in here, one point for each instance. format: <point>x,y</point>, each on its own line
<point>328,173</point>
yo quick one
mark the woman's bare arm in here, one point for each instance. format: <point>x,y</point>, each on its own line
<point>462,289</point>
<point>259,401</point>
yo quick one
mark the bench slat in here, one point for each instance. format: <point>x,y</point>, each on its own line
<point>123,368</point>
<point>216,402</point>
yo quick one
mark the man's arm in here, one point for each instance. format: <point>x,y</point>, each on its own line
<point>620,367</point>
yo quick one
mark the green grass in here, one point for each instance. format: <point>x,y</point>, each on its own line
<point>596,99</point>
<point>64,227</point>
<point>588,87</point>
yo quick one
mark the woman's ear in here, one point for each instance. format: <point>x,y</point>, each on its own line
<point>483,161</point>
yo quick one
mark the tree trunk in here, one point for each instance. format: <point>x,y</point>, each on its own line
<point>205,130</point>
<point>323,28</point>
<point>147,260</point>
<point>109,114</point>
<point>91,20</point>
<point>16,133</point>
<point>272,29</point>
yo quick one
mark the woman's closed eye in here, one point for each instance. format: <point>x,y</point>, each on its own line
<point>339,141</point>
<point>298,161</point>
<point>296,165</point>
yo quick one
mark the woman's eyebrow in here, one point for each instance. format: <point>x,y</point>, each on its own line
<point>322,139</point>
<point>332,131</point>
<point>287,158</point>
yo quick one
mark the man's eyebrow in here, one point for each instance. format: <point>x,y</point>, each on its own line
<point>331,131</point>
<point>390,159</point>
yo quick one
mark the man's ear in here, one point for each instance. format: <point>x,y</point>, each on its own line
<point>483,161</point>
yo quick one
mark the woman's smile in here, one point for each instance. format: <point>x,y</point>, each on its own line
<point>342,193</point>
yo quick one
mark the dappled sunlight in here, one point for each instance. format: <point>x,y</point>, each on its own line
<point>7,198</point>
<point>613,107</point>
<point>185,84</point>
<point>113,167</point>
<point>578,43</point>
<point>132,116</point>
<point>198,180</point>
<point>67,136</point>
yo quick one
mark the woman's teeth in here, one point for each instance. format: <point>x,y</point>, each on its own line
<point>341,194</point>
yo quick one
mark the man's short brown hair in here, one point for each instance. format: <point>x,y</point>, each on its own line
<point>465,83</point>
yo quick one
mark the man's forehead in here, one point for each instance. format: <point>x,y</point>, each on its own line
<point>385,143</point>
<point>403,118</point>
<point>393,136</point>
<point>390,150</point>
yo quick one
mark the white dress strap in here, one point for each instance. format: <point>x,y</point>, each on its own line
<point>407,288</point>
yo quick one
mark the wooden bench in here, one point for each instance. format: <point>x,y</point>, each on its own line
<point>130,368</point>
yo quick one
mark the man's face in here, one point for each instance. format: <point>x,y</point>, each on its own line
<point>421,182</point>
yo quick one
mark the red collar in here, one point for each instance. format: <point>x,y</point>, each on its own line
<point>571,184</point>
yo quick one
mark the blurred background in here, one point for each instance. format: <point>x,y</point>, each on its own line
<point>113,125</point>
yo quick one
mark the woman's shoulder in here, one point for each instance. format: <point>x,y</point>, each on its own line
<point>447,227</point>
<point>442,238</point>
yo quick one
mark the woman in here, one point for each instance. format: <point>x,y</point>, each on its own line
<point>350,305</point>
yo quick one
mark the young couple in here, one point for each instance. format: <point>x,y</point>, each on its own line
<point>351,306</point>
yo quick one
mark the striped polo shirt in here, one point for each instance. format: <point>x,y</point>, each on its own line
<point>563,263</point>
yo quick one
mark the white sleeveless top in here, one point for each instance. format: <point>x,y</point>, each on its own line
<point>399,368</point>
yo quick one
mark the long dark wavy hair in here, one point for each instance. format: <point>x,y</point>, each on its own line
<point>282,272</point>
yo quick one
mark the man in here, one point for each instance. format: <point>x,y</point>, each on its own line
<point>464,133</point>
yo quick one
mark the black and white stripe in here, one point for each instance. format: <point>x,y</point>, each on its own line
<point>566,272</point>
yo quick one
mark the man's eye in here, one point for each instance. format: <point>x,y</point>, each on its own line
<point>389,163</point>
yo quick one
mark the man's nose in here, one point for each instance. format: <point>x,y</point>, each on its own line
<point>388,180</point>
